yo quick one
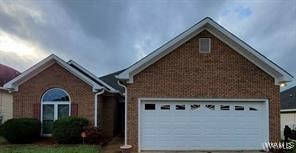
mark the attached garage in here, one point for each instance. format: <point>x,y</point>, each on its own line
<point>203,90</point>
<point>203,124</point>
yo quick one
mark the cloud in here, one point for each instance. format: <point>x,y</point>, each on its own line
<point>105,36</point>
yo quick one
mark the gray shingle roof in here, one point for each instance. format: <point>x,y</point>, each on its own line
<point>111,80</point>
<point>288,99</point>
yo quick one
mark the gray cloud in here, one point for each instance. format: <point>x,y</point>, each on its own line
<point>105,36</point>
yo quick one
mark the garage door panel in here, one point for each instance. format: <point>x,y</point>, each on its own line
<point>202,125</point>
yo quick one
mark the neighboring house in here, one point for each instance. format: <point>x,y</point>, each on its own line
<point>53,88</point>
<point>6,74</point>
<point>204,90</point>
<point>288,109</point>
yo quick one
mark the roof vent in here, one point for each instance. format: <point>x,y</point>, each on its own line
<point>204,45</point>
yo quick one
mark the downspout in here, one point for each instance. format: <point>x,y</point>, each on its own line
<point>96,107</point>
<point>125,112</point>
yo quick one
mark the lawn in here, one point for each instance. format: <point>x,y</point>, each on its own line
<point>49,149</point>
<point>35,148</point>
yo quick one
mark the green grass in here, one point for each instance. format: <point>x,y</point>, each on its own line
<point>49,149</point>
<point>56,148</point>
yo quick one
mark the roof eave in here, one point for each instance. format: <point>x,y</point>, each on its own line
<point>14,83</point>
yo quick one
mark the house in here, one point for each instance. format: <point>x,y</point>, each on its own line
<point>203,90</point>
<point>53,88</point>
<point>288,109</point>
<point>6,74</point>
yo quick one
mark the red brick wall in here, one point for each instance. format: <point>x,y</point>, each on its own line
<point>31,91</point>
<point>186,73</point>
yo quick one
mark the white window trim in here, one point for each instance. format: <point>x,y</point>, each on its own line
<point>199,45</point>
<point>55,103</point>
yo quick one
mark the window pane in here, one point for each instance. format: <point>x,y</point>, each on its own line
<point>55,94</point>
<point>180,107</point>
<point>239,108</point>
<point>165,107</point>
<point>48,118</point>
<point>48,112</point>
<point>224,107</point>
<point>211,107</point>
<point>252,109</point>
<point>194,107</point>
<point>63,110</point>
<point>149,106</point>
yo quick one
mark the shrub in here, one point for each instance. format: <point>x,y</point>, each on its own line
<point>94,136</point>
<point>67,130</point>
<point>21,130</point>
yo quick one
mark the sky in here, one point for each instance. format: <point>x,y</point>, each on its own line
<point>106,36</point>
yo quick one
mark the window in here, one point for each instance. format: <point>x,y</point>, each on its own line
<point>55,104</point>
<point>165,107</point>
<point>195,107</point>
<point>224,107</point>
<point>55,94</point>
<point>149,106</point>
<point>180,107</point>
<point>211,107</point>
<point>252,109</point>
<point>204,45</point>
<point>239,108</point>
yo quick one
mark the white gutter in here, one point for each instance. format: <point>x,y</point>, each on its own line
<point>125,112</point>
<point>96,107</point>
<point>288,110</point>
<point>4,88</point>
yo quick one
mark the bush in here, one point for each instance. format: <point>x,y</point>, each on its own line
<point>93,136</point>
<point>67,130</point>
<point>21,130</point>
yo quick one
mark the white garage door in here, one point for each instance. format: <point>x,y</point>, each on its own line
<point>203,125</point>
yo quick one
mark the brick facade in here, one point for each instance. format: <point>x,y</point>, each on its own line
<point>186,73</point>
<point>55,76</point>
<point>80,93</point>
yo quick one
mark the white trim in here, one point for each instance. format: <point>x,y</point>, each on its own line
<point>58,89</point>
<point>92,75</point>
<point>139,123</point>
<point>96,107</point>
<point>42,65</point>
<point>140,100</point>
<point>55,105</point>
<point>288,110</point>
<point>248,52</point>
<point>125,112</point>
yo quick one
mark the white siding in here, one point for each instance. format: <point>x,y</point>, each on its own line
<point>6,101</point>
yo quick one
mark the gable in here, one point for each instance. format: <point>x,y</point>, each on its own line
<point>52,77</point>
<point>279,75</point>
<point>222,67</point>
<point>43,65</point>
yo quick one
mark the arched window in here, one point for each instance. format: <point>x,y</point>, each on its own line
<point>55,94</point>
<point>55,104</point>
